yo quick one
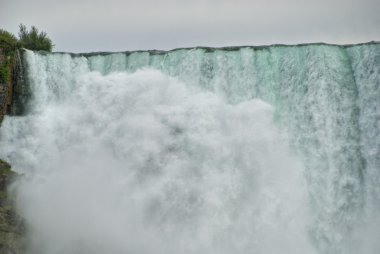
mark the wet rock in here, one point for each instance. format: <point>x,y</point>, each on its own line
<point>11,225</point>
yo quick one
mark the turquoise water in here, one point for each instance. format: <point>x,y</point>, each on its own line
<point>267,150</point>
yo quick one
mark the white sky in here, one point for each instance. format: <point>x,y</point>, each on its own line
<point>119,25</point>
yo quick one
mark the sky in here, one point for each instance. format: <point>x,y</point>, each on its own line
<point>120,25</point>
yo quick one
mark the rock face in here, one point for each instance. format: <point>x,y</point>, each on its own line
<point>12,229</point>
<point>18,93</point>
<point>11,226</point>
<point>6,63</point>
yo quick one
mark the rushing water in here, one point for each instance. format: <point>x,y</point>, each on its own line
<point>250,150</point>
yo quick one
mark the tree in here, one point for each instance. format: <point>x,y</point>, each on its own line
<point>34,39</point>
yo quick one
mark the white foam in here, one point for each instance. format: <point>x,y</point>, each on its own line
<point>144,163</point>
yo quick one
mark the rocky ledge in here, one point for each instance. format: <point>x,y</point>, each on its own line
<point>11,225</point>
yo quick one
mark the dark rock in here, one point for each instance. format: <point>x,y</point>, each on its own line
<point>12,228</point>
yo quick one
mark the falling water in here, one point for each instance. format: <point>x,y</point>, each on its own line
<point>242,150</point>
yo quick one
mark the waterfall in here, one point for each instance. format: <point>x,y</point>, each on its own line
<point>233,150</point>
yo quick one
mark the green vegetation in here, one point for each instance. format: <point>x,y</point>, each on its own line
<point>8,45</point>
<point>5,168</point>
<point>30,39</point>
<point>34,39</point>
<point>5,73</point>
<point>8,42</point>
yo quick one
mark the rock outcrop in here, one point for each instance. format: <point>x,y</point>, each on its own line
<point>11,225</point>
